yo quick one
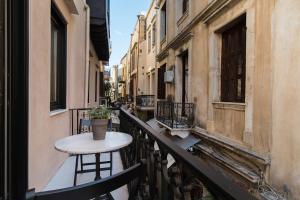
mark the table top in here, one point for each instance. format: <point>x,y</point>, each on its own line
<point>84,143</point>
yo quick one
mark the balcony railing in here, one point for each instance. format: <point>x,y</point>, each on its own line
<point>145,101</point>
<point>175,115</point>
<point>186,178</point>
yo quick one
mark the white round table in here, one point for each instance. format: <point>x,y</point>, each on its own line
<point>84,144</point>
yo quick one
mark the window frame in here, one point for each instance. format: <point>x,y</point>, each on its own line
<point>149,40</point>
<point>153,34</point>
<point>161,85</point>
<point>2,98</point>
<point>96,85</point>
<point>185,6</point>
<point>163,22</point>
<point>230,76</point>
<point>61,71</point>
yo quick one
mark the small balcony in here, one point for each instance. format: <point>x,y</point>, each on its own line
<point>175,115</point>
<point>145,102</point>
<point>146,169</point>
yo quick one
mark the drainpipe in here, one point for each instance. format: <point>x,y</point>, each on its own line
<point>87,53</point>
<point>156,65</point>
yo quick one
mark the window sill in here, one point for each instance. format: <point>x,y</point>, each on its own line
<point>163,40</point>
<point>229,106</point>
<point>182,18</point>
<point>57,112</point>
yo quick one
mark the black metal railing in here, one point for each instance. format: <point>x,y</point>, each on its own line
<point>76,114</point>
<point>175,115</point>
<point>145,100</point>
<point>186,178</point>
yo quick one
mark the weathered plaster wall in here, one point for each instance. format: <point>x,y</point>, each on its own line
<point>285,168</point>
<point>95,66</point>
<point>250,125</point>
<point>46,127</point>
<point>198,73</point>
<point>267,121</point>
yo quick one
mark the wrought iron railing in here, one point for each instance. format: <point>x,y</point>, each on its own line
<point>75,115</point>
<point>145,100</point>
<point>186,178</point>
<point>175,115</point>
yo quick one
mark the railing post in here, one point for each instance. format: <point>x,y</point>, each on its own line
<point>164,188</point>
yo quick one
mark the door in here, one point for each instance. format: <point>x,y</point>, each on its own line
<point>161,86</point>
<point>184,92</point>
<point>2,96</point>
<point>184,86</point>
<point>16,96</point>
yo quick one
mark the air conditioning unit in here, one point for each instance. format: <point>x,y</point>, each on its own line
<point>169,77</point>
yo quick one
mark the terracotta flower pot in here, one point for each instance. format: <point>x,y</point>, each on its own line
<point>99,127</point>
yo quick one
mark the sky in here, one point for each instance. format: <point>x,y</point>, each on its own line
<point>123,15</point>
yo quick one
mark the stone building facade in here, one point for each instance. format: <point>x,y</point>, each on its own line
<point>236,61</point>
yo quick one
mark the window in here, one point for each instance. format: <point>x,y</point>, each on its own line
<point>96,85</point>
<point>101,88</point>
<point>185,6</point>
<point>88,98</point>
<point>163,20</point>
<point>233,64</point>
<point>58,61</point>
<point>153,34</point>
<point>149,41</point>
<point>133,58</point>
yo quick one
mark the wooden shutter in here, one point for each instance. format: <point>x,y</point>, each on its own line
<point>233,67</point>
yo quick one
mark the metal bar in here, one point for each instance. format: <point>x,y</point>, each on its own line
<point>93,170</point>
<point>97,156</point>
<point>72,128</point>
<point>111,162</point>
<point>77,115</point>
<point>94,163</point>
<point>76,171</point>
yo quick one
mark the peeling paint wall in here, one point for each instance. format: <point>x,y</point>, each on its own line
<point>267,122</point>
<point>285,168</point>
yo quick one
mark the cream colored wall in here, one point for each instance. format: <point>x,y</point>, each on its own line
<point>142,75</point>
<point>249,123</point>
<point>138,41</point>
<point>151,20</point>
<point>46,127</point>
<point>285,168</point>
<point>95,65</point>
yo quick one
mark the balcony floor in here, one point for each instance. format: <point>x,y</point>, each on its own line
<point>65,175</point>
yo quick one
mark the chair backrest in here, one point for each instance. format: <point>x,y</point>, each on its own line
<point>94,189</point>
<point>84,124</point>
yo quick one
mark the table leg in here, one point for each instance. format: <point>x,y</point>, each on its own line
<point>97,156</point>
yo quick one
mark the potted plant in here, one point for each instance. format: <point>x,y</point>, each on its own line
<point>99,119</point>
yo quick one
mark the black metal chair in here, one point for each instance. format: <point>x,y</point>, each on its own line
<point>85,126</point>
<point>98,189</point>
